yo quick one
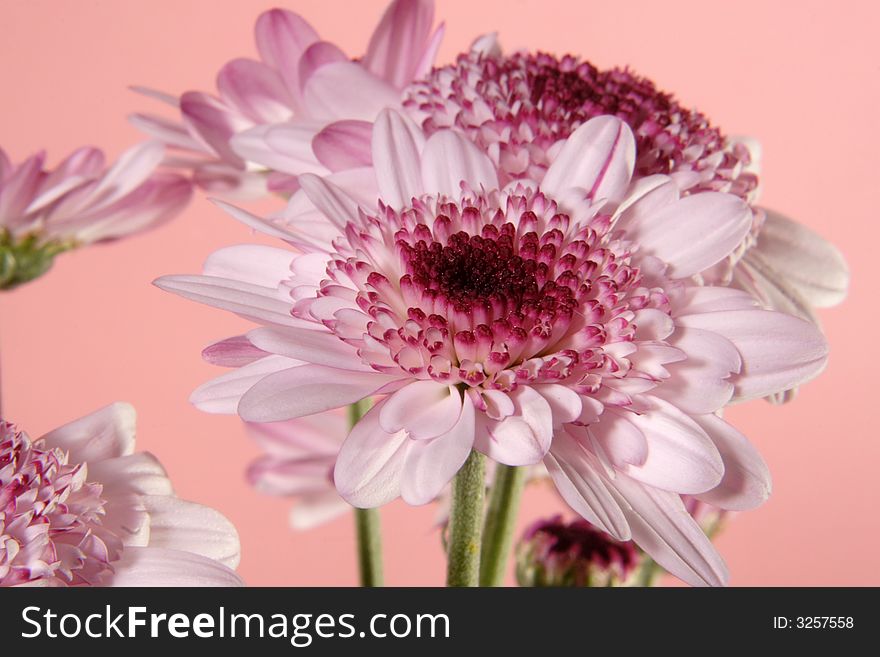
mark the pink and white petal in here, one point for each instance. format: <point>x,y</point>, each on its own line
<point>333,202</point>
<point>486,45</point>
<point>522,438</point>
<point>176,524</point>
<point>431,464</point>
<point>620,441</point>
<point>449,159</point>
<point>255,90</point>
<point>168,132</point>
<point>646,196</point>
<point>397,144</point>
<point>230,181</point>
<point>306,390</point>
<point>18,190</point>
<point>284,148</point>
<point>101,435</point>
<point>694,300</point>
<point>575,472</point>
<point>153,566</point>
<point>134,474</point>
<point>770,289</point>
<point>702,383</point>
<point>261,304</point>
<point>370,464</point>
<point>779,352</point>
<point>317,55</point>
<point>598,158</point>
<point>693,233</point>
<point>565,403</point>
<point>344,145</point>
<point>802,260</point>
<point>213,122</point>
<point>236,351</point>
<point>318,345</point>
<point>223,394</point>
<point>345,90</point>
<point>746,483</point>
<point>311,511</point>
<point>424,409</point>
<point>282,37</point>
<point>662,527</point>
<point>429,56</point>
<point>260,265</point>
<point>399,41</point>
<point>681,457</point>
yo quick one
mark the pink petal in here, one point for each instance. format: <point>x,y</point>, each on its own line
<point>307,345</point>
<point>19,188</point>
<point>306,390</point>
<point>746,483</point>
<point>565,403</point>
<point>232,352</point>
<point>697,299</point>
<point>282,37</point>
<point>101,435</point>
<point>400,40</point>
<point>168,132</point>
<point>317,55</point>
<point>522,438</point>
<point>255,90</point>
<point>797,258</point>
<point>426,63</point>
<point>449,159</point>
<point>621,441</point>
<point>424,409</point>
<point>285,148</point>
<point>431,464</point>
<point>574,470</point>
<point>397,143</point>
<point>344,145</point>
<point>132,474</point>
<point>693,233</point>
<point>223,394</point>
<point>681,457</point>
<point>345,90</point>
<point>598,157</point>
<point>370,464</point>
<point>214,122</point>
<point>662,527</point>
<point>176,524</point>
<point>779,352</point>
<point>153,566</point>
<point>314,510</point>
<point>251,263</point>
<point>333,202</point>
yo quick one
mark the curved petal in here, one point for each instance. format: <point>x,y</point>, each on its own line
<point>153,566</point>
<point>345,90</point>
<point>176,524</point>
<point>746,483</point>
<point>396,146</point>
<point>236,351</point>
<point>255,90</point>
<point>449,159</point>
<point>333,202</point>
<point>370,463</point>
<point>621,441</point>
<point>399,41</point>
<point>282,37</point>
<point>222,395</point>
<point>134,474</point>
<point>598,157</point>
<point>284,148</point>
<point>250,263</point>
<point>431,464</point>
<point>522,438</point>
<point>101,435</point>
<point>344,145</point>
<point>424,409</point>
<point>314,346</point>
<point>213,122</point>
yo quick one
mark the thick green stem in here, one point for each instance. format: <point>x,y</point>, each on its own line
<point>466,522</point>
<point>369,533</point>
<point>369,546</point>
<point>507,489</point>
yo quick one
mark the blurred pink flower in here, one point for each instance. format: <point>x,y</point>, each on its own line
<point>78,506</point>
<point>270,113</point>
<point>46,211</point>
<point>299,461</point>
<point>557,323</point>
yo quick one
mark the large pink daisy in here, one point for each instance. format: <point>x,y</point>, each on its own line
<point>79,507</point>
<point>553,322</point>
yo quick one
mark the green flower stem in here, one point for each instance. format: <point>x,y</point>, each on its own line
<point>369,533</point>
<point>466,522</point>
<point>507,489</point>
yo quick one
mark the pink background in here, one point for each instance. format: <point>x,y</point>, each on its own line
<point>802,77</point>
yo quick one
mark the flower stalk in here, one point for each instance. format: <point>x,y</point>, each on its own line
<point>501,515</point>
<point>367,522</point>
<point>466,522</point>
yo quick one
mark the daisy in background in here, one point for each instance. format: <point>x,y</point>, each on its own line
<point>264,125</point>
<point>79,507</point>
<point>553,320</point>
<point>44,212</point>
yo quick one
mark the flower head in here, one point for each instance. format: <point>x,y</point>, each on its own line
<point>552,321</point>
<point>46,211</point>
<point>268,114</point>
<point>553,552</point>
<point>78,507</point>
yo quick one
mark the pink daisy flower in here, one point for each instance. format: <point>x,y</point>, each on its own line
<point>268,114</point>
<point>519,109</point>
<point>298,462</point>
<point>556,322</point>
<point>79,507</point>
<point>46,211</point>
